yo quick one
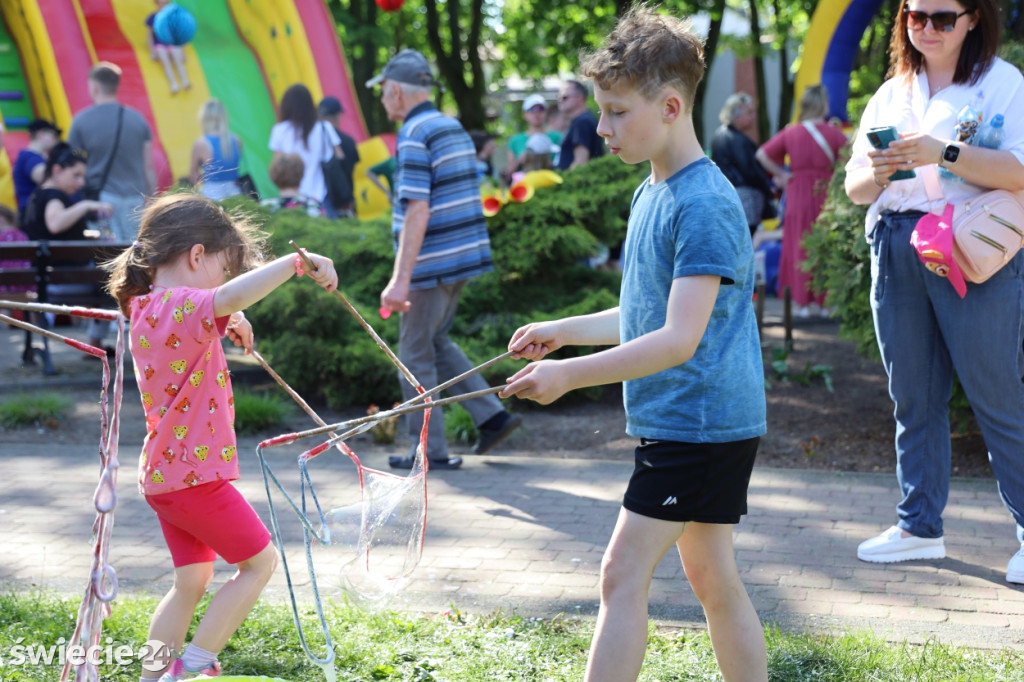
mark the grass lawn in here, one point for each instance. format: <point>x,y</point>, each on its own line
<point>391,646</point>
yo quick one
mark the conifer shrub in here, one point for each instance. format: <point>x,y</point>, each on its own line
<point>539,248</point>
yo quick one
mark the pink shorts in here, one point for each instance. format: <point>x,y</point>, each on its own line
<point>200,523</point>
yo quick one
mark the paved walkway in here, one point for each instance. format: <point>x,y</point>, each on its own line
<point>527,533</point>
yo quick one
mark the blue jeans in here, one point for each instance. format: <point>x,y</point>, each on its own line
<point>124,222</point>
<point>425,348</point>
<point>926,332</point>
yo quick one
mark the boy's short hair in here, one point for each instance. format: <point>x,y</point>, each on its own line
<point>533,161</point>
<point>286,171</point>
<point>649,51</point>
<point>107,76</point>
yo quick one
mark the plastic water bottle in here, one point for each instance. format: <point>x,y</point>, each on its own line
<point>993,134</point>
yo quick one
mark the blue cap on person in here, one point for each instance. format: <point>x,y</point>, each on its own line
<point>408,66</point>
<point>330,106</point>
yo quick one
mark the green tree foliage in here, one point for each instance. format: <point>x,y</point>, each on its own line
<point>454,37</point>
<point>366,35</point>
<point>543,39</point>
<point>477,45</point>
<point>839,259</point>
<point>539,248</point>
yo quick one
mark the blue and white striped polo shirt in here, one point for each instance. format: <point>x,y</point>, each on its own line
<point>436,162</point>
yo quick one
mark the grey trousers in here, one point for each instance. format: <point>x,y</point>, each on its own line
<point>433,358</point>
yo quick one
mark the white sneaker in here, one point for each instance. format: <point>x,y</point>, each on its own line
<point>1015,569</point>
<point>891,546</point>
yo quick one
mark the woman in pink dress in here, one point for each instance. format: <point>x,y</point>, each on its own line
<point>812,146</point>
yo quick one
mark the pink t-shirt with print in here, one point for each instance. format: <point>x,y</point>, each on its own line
<point>186,391</point>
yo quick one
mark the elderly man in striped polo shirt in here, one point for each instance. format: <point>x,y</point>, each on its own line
<point>441,241</point>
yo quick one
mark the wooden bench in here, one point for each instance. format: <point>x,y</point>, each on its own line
<point>48,266</point>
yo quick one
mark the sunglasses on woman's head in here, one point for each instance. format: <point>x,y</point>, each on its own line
<point>69,157</point>
<point>941,21</point>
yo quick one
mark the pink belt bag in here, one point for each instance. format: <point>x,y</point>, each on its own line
<point>970,241</point>
<point>988,231</point>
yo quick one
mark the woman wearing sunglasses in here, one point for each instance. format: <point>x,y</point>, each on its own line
<point>945,85</point>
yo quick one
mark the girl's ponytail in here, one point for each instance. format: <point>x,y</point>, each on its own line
<point>130,275</point>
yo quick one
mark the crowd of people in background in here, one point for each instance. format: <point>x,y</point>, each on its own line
<point>308,142</point>
<point>313,163</point>
<point>785,178</point>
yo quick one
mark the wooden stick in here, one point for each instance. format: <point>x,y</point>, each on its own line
<point>311,267</point>
<point>398,411</point>
<point>281,382</point>
<point>451,382</point>
<point>84,347</point>
<point>414,404</point>
<point>97,313</point>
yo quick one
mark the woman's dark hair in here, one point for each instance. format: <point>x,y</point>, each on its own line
<point>976,54</point>
<point>297,108</point>
<point>63,155</point>
<point>171,226</point>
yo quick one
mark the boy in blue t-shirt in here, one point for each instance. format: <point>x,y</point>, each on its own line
<point>685,345</point>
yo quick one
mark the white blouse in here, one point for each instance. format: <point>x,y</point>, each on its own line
<point>286,139</point>
<point>999,91</point>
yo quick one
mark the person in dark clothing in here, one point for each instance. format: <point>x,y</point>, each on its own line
<point>31,162</point>
<point>734,153</point>
<point>581,142</point>
<point>330,110</point>
<point>52,214</point>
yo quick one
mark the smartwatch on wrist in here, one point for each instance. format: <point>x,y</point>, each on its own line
<point>949,155</point>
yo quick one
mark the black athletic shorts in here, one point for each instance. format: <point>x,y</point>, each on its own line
<point>703,482</point>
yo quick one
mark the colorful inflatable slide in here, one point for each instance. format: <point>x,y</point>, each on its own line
<point>245,53</point>
<point>830,48</point>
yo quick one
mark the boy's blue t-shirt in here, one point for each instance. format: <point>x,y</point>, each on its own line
<point>693,224</point>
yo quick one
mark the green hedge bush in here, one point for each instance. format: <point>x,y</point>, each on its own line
<point>539,249</point>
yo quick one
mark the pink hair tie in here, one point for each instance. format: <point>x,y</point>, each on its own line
<point>299,270</point>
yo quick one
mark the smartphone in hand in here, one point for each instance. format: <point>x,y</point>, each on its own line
<point>880,138</point>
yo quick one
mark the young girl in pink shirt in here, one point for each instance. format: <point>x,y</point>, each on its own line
<point>184,284</point>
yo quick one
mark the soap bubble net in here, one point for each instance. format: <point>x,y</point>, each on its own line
<point>380,538</point>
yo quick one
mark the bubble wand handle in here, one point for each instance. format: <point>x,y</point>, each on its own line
<point>295,396</point>
<point>311,267</point>
<point>451,382</point>
<point>77,311</point>
<point>383,414</point>
<point>54,336</point>
<point>349,452</point>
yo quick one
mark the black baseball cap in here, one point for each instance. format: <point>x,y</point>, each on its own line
<point>41,124</point>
